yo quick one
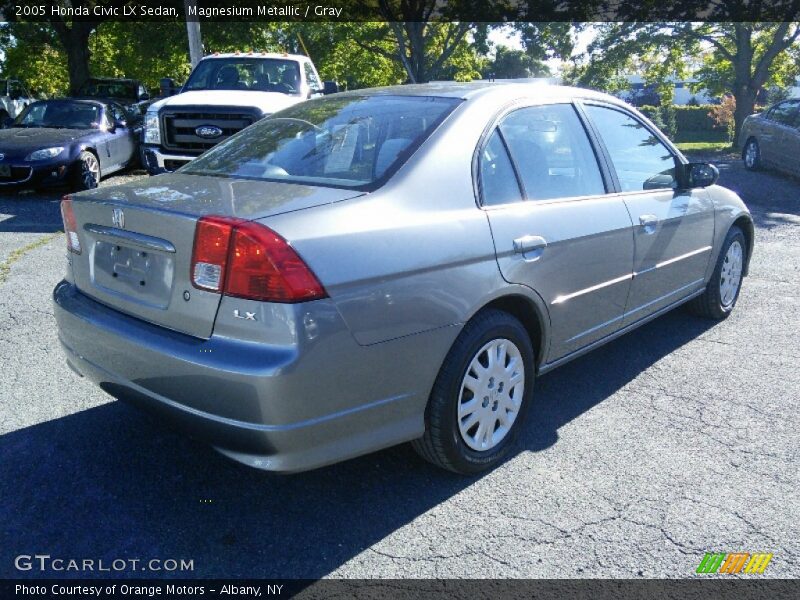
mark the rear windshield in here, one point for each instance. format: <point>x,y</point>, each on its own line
<point>98,88</point>
<point>340,141</point>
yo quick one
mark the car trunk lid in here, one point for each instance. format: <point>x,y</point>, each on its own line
<point>137,241</point>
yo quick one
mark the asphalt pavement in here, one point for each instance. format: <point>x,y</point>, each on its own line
<point>678,439</point>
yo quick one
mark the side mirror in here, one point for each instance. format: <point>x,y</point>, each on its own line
<point>701,174</point>
<point>330,87</point>
<point>8,122</point>
<point>122,124</point>
<point>144,96</point>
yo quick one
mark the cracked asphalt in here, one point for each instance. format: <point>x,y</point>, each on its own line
<point>678,439</point>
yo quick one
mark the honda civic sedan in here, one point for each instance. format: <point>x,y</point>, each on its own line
<point>391,265</point>
<point>772,138</point>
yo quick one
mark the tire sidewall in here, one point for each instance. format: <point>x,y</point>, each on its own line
<point>735,234</point>
<point>461,455</point>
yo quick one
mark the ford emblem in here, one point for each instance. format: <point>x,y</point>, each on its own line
<point>208,131</point>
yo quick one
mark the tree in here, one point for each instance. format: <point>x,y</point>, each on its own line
<point>741,58</point>
<point>513,64</point>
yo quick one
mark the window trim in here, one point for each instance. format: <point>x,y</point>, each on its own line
<point>607,175</point>
<point>677,157</point>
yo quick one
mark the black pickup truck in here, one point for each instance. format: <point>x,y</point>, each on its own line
<point>128,92</point>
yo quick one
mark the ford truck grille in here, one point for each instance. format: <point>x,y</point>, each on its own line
<point>180,127</point>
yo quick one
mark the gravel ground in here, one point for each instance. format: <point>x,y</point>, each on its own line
<point>675,440</point>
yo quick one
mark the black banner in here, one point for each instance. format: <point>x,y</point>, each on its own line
<point>382,589</point>
<point>401,10</point>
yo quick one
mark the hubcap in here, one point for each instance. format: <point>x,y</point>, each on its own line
<point>750,154</point>
<point>91,171</point>
<point>491,394</point>
<point>731,275</point>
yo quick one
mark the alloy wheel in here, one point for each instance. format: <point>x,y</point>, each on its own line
<point>90,171</point>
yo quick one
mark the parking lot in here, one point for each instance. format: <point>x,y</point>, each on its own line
<point>676,440</point>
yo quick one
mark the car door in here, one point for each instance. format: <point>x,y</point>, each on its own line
<point>778,123</point>
<point>555,227</point>
<point>792,143</point>
<point>673,228</point>
<point>121,143</point>
<point>785,137</point>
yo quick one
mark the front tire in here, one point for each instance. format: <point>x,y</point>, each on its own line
<point>751,155</point>
<point>723,289</point>
<point>481,395</point>
<point>87,172</point>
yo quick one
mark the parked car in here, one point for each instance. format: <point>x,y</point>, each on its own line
<point>772,138</point>
<point>224,94</point>
<point>66,141</point>
<point>388,265</point>
<point>14,97</point>
<point>130,93</point>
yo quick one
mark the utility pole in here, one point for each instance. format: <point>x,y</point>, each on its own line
<point>193,31</point>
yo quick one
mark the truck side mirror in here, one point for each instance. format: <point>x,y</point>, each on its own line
<point>330,87</point>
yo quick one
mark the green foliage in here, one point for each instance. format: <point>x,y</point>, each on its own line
<point>669,118</point>
<point>513,64</point>
<point>654,114</point>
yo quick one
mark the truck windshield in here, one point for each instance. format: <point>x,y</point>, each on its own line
<point>254,74</point>
<point>340,141</point>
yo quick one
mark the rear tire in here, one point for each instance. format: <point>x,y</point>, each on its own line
<point>86,174</point>
<point>481,395</point>
<point>723,288</point>
<point>751,155</point>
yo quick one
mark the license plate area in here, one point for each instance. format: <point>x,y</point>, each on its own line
<point>137,274</point>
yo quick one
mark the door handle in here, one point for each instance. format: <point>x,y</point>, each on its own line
<point>529,244</point>
<point>649,222</point>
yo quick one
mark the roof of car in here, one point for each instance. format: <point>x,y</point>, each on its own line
<point>100,101</point>
<point>117,79</point>
<point>472,89</point>
<point>253,54</point>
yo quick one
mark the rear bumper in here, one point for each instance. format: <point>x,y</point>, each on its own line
<point>279,408</point>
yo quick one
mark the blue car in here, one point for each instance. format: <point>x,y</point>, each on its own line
<point>73,142</point>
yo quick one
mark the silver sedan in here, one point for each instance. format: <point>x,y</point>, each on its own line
<point>391,265</point>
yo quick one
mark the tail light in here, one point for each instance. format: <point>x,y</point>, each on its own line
<point>70,225</point>
<point>248,260</point>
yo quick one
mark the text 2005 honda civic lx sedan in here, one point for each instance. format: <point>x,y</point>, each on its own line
<point>390,265</point>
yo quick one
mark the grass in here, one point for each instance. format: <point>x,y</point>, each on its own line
<point>705,147</point>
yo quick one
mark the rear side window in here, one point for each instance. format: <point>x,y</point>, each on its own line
<point>641,160</point>
<point>783,113</point>
<point>552,152</point>
<point>498,181</point>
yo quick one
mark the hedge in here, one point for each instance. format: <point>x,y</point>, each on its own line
<point>692,123</point>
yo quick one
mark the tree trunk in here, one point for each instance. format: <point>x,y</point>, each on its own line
<point>75,41</point>
<point>745,106</point>
<point>78,65</point>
